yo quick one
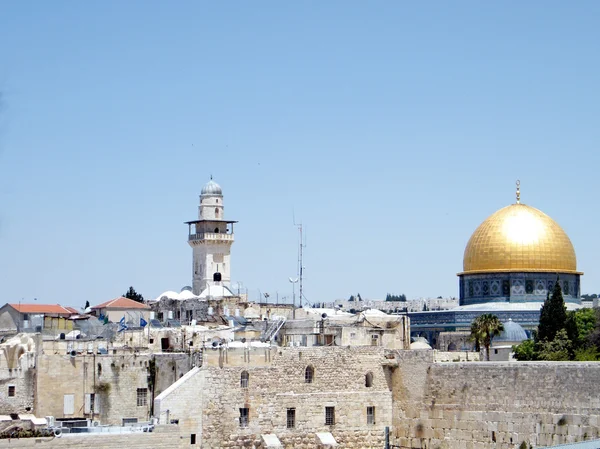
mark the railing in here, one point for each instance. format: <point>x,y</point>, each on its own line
<point>272,329</point>
<point>210,236</point>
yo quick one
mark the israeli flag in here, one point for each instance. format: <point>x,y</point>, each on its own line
<point>122,324</point>
<point>143,322</point>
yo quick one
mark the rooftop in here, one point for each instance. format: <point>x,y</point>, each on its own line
<point>56,309</point>
<point>121,303</point>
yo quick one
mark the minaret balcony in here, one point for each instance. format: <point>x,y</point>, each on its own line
<point>213,236</point>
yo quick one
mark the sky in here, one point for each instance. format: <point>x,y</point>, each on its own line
<point>390,130</point>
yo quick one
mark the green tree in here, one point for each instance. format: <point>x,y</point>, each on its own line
<point>553,316</point>
<point>483,329</point>
<point>525,351</point>
<point>580,324</point>
<point>132,294</point>
<point>558,349</point>
<point>351,298</point>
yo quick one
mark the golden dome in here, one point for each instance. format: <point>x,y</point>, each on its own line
<point>519,238</point>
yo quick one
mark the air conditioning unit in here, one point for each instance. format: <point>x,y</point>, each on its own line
<point>50,421</point>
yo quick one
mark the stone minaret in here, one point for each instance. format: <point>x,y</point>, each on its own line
<point>210,237</point>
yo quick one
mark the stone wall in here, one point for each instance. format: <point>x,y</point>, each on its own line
<point>114,379</point>
<point>210,399</point>
<point>493,405</point>
<point>17,374</point>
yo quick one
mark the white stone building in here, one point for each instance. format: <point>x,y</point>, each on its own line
<point>211,237</point>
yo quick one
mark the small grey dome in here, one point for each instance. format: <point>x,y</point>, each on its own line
<point>212,188</point>
<point>512,332</point>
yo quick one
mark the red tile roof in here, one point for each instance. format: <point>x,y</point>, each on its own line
<point>50,309</point>
<point>121,303</point>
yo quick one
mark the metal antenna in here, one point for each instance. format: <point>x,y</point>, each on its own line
<point>301,246</point>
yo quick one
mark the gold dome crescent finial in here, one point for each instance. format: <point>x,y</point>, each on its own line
<point>518,192</point>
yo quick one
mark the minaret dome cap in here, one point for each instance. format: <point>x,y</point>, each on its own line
<point>212,188</point>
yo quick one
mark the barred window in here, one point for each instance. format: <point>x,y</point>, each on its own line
<point>142,397</point>
<point>370,415</point>
<point>309,374</point>
<point>291,418</point>
<point>244,379</point>
<point>11,390</point>
<point>244,413</point>
<point>329,416</point>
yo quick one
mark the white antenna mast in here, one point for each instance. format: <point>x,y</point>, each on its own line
<point>301,246</point>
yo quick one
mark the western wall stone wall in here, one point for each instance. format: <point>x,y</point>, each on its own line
<point>493,404</point>
<point>210,399</point>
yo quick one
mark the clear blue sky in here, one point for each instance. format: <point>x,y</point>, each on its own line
<point>391,129</point>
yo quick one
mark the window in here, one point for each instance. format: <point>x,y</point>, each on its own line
<point>374,340</point>
<point>142,397</point>
<point>369,380</point>
<point>11,390</point>
<point>68,404</point>
<point>244,379</point>
<point>352,335</point>
<point>244,412</point>
<point>291,418</point>
<point>370,415</point>
<point>309,374</point>
<point>193,438</point>
<point>217,211</point>
<point>329,416</point>
<point>91,403</point>
<point>129,421</point>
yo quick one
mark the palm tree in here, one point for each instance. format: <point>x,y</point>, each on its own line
<point>483,329</point>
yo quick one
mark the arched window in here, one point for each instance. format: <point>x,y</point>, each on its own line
<point>216,230</point>
<point>217,211</point>
<point>309,374</point>
<point>369,380</point>
<point>244,379</point>
<point>217,277</point>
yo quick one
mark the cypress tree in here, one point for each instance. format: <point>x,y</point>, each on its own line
<point>553,316</point>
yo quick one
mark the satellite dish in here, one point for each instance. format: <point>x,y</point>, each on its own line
<point>338,340</point>
<point>324,315</point>
<point>73,353</point>
<point>244,340</point>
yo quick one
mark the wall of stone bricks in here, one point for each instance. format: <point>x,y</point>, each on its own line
<point>211,397</point>
<point>493,405</point>
<point>23,379</point>
<point>114,378</point>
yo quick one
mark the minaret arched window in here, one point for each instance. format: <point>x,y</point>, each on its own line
<point>244,378</point>
<point>309,374</point>
<point>216,211</point>
<point>217,277</point>
<point>369,380</point>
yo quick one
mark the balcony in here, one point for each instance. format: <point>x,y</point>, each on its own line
<point>210,236</point>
